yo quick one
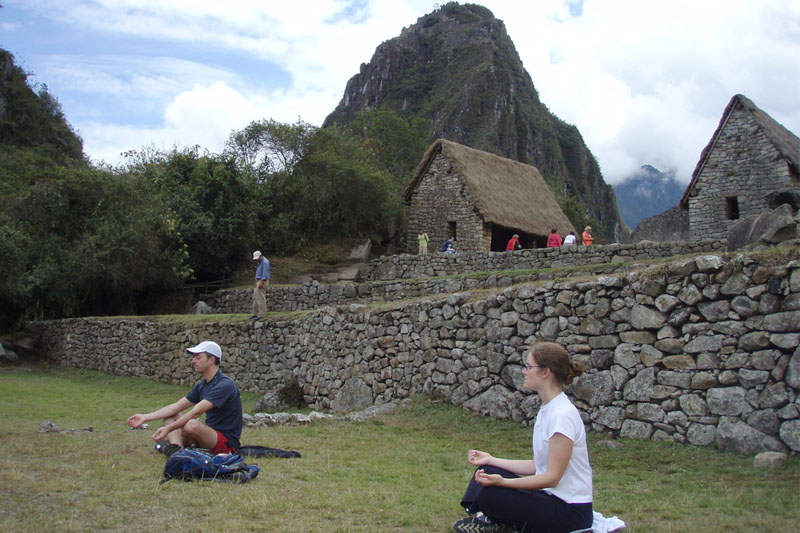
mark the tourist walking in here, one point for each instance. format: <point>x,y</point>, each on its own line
<point>570,239</point>
<point>553,490</point>
<point>260,290</point>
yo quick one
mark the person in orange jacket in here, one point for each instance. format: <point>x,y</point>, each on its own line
<point>587,237</point>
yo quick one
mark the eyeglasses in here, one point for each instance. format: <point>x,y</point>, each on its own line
<point>528,367</point>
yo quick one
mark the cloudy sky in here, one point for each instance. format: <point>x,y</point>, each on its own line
<point>644,81</point>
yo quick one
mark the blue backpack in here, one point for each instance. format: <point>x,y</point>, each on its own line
<point>190,464</point>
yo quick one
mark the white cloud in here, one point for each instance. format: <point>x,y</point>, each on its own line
<point>645,82</point>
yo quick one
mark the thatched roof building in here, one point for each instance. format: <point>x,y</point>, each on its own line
<point>482,198</point>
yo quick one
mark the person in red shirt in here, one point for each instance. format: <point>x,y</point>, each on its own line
<point>554,240</point>
<point>513,243</point>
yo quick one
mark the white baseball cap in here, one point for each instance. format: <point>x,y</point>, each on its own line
<point>209,347</point>
<point>256,254</point>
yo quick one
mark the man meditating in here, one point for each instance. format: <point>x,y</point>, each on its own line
<point>216,395</point>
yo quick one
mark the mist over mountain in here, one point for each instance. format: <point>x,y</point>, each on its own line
<point>647,193</point>
<point>458,69</point>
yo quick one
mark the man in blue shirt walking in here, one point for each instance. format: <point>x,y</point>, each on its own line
<point>260,290</point>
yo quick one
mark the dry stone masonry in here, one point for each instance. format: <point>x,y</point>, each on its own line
<point>411,276</point>
<point>701,351</point>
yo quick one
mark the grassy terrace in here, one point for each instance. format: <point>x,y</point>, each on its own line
<point>400,472</point>
<point>769,257</point>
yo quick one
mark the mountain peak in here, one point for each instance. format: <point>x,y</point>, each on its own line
<point>458,69</point>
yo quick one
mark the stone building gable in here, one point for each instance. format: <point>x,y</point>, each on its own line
<point>441,203</point>
<point>740,168</point>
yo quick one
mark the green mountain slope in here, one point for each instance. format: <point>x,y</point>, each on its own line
<point>458,68</point>
<point>31,120</point>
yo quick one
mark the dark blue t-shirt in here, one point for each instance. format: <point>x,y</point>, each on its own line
<point>226,415</point>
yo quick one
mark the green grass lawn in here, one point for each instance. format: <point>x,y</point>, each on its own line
<point>400,472</point>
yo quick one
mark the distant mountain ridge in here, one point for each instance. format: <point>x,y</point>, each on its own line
<point>458,68</point>
<point>647,193</point>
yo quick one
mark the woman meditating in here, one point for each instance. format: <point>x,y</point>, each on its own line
<point>551,492</point>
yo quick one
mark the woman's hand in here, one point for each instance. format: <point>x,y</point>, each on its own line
<point>488,480</point>
<point>478,458</point>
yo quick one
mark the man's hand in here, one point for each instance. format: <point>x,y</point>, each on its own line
<point>161,434</point>
<point>135,421</point>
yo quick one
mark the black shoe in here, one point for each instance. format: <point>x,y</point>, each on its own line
<point>473,524</point>
<point>167,448</point>
<point>255,317</point>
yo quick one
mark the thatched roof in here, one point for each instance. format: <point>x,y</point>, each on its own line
<point>786,142</point>
<point>506,192</point>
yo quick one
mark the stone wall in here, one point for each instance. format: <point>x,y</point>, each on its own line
<point>670,226</point>
<point>314,294</point>
<point>743,163</point>
<point>441,199</point>
<point>407,266</point>
<point>700,351</point>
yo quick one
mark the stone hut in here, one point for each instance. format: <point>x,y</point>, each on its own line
<point>480,198</point>
<point>750,166</point>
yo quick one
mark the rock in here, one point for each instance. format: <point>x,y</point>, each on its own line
<point>611,417</point>
<point>371,412</point>
<point>792,375</point>
<point>640,388</point>
<point>769,460</point>
<point>727,401</point>
<point>770,225</point>
<point>644,317</point>
<point>269,403</point>
<point>636,429</point>
<point>495,402</point>
<point>790,434</point>
<point>7,356</point>
<point>354,394</point>
<point>735,435</point>
<point>594,389</point>
<point>701,434</point>
<point>708,263</point>
<point>361,252</point>
<point>610,444</point>
<point>202,308</point>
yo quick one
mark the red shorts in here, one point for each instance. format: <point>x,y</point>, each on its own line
<point>222,445</point>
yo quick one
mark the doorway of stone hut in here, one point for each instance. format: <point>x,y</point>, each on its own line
<point>501,235</point>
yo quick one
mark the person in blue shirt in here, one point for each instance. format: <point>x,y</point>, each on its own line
<point>449,246</point>
<point>216,396</point>
<point>260,290</point>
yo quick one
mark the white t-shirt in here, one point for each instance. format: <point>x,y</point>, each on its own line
<point>569,239</point>
<point>560,416</point>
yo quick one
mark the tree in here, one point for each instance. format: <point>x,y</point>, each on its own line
<point>268,146</point>
<point>397,144</point>
<point>213,202</point>
<point>77,240</point>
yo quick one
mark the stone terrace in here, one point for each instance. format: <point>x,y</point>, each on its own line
<point>702,350</point>
<point>399,277</point>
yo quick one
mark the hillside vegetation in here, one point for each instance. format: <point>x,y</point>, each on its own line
<point>78,238</point>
